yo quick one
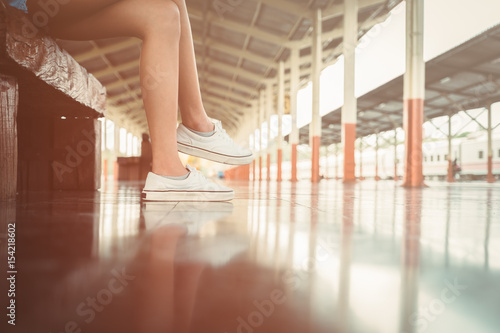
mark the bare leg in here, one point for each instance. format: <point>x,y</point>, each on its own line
<point>190,102</point>
<point>157,23</point>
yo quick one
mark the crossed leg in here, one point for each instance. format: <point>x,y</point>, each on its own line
<point>167,50</point>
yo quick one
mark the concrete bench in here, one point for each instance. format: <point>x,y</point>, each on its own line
<point>49,110</point>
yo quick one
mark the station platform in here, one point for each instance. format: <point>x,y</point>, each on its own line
<point>281,257</point>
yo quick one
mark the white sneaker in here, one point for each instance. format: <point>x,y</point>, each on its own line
<point>194,188</point>
<point>218,147</point>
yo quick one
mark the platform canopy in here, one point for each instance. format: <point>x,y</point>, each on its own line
<point>461,79</point>
<point>238,45</point>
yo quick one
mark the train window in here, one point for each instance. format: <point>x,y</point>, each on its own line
<point>425,157</point>
<point>432,158</point>
<point>437,157</point>
<point>499,153</point>
<point>445,157</point>
<point>481,154</point>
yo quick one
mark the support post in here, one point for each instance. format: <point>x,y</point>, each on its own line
<point>326,162</point>
<point>9,97</point>
<point>349,110</point>
<point>280,109</point>
<point>377,177</point>
<point>269,108</point>
<point>261,120</point>
<point>317,61</point>
<point>414,93</point>
<point>396,177</point>
<point>361,159</point>
<point>337,161</point>
<point>294,89</point>
<point>254,147</point>
<point>450,178</point>
<point>490,178</point>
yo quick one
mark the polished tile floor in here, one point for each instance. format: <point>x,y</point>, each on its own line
<point>368,257</point>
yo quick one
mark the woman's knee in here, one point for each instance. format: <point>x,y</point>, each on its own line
<point>159,17</point>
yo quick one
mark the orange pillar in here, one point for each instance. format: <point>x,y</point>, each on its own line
<point>268,165</point>
<point>269,106</point>
<point>349,109</point>
<point>294,162</point>
<point>105,169</point>
<point>490,178</point>
<point>315,159</point>
<point>279,161</point>
<point>315,127</point>
<point>261,121</point>
<point>294,88</point>
<point>280,108</point>
<point>414,93</point>
<point>260,167</point>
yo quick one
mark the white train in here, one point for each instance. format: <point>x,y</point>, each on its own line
<point>471,155</point>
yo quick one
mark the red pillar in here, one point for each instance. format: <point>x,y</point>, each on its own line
<point>280,159</point>
<point>268,166</point>
<point>349,110</point>
<point>294,87</point>
<point>414,93</point>
<point>280,108</point>
<point>260,167</point>
<point>315,159</point>
<point>317,62</point>
<point>294,162</point>
<point>348,138</point>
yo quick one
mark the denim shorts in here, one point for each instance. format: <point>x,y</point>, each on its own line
<point>19,4</point>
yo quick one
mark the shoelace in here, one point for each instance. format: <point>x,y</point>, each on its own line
<point>196,172</point>
<point>223,132</point>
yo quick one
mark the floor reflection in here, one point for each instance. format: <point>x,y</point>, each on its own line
<point>282,257</point>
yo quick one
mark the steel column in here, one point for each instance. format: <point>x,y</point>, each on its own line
<point>377,177</point>
<point>317,61</point>
<point>294,89</point>
<point>414,93</point>
<point>255,143</point>
<point>450,178</point>
<point>360,160</point>
<point>261,121</point>
<point>269,107</point>
<point>349,110</point>
<point>280,109</point>
<point>337,161</point>
<point>490,178</point>
<point>396,177</point>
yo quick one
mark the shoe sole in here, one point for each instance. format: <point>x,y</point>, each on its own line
<point>179,196</point>
<point>215,157</point>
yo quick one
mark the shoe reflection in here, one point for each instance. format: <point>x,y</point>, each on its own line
<point>190,215</point>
